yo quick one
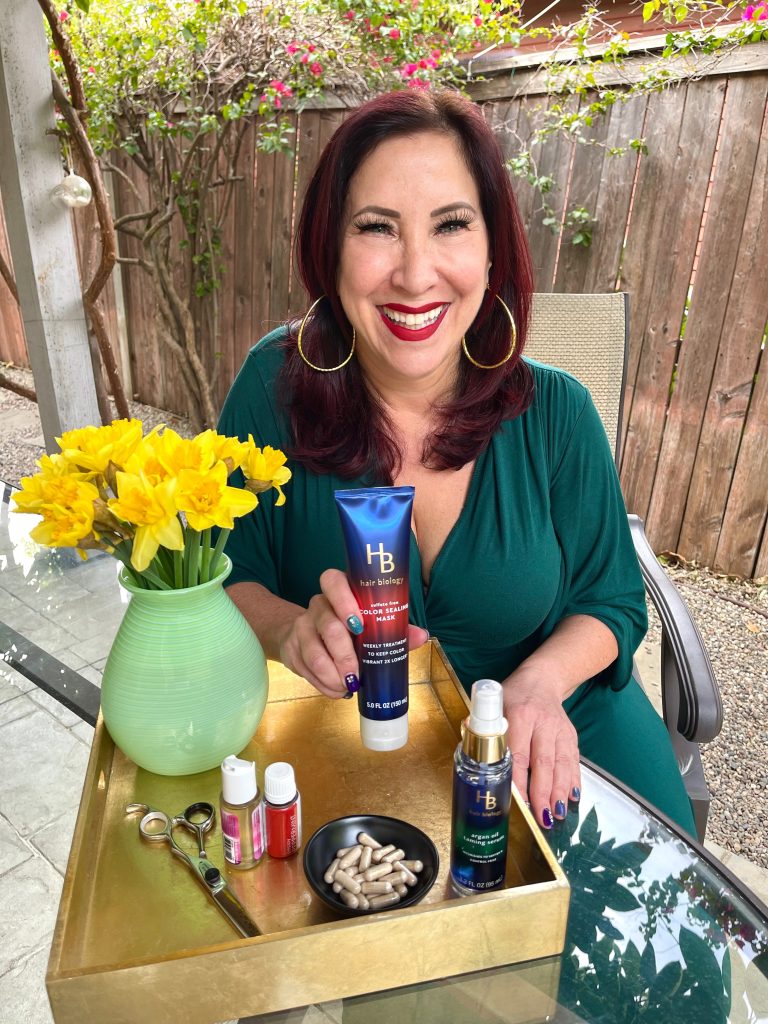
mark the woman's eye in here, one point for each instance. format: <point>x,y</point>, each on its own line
<point>378,227</point>
<point>450,227</point>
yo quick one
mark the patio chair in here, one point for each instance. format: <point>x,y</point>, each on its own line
<point>587,335</point>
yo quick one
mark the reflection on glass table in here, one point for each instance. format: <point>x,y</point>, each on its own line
<point>658,933</point>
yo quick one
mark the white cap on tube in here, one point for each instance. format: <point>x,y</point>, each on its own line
<point>279,783</point>
<point>238,780</point>
<point>486,717</point>
<point>384,735</point>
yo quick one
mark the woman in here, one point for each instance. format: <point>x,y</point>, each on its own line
<point>407,369</point>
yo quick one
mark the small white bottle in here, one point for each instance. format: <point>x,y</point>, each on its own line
<point>242,813</point>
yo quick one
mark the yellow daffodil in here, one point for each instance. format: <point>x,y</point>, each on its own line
<point>206,500</point>
<point>93,448</point>
<point>177,453</point>
<point>230,450</point>
<point>265,468</point>
<point>67,513</point>
<point>152,510</point>
<point>61,489</point>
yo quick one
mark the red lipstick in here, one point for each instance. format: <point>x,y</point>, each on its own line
<point>404,333</point>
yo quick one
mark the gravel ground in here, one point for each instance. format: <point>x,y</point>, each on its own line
<point>731,614</point>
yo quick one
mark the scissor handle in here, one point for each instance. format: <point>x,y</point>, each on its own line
<point>197,828</point>
<point>165,835</point>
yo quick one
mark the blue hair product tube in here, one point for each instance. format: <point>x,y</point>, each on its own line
<point>376,523</point>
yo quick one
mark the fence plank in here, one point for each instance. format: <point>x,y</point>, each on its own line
<point>555,161</point>
<point>245,255</point>
<point>308,142</point>
<point>726,323</point>
<point>587,171</point>
<point>530,112</point>
<point>744,522</point>
<point>283,286</point>
<point>626,121</point>
<point>678,196</point>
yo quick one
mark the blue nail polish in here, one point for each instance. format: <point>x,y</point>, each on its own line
<point>352,683</point>
<point>546,817</point>
<point>575,793</point>
<point>560,809</point>
<point>354,625</point>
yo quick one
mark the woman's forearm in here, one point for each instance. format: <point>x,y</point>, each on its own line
<point>270,617</point>
<point>579,648</point>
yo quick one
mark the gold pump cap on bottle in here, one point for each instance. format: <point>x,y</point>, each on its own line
<point>484,733</point>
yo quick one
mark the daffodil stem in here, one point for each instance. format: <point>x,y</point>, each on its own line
<point>123,554</point>
<point>157,582</point>
<point>220,542</point>
<point>205,565</point>
<point>178,570</point>
<point>191,556</point>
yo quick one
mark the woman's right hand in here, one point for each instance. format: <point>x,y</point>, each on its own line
<point>318,644</point>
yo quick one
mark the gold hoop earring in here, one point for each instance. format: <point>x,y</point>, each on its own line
<point>513,346</point>
<point>321,369</point>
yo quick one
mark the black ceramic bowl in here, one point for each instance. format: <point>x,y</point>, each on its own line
<point>322,846</point>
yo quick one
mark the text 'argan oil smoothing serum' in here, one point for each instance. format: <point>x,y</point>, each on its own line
<point>482,792</point>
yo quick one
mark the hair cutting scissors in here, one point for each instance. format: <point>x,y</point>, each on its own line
<point>156,827</point>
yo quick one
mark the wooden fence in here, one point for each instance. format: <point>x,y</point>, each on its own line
<point>683,229</point>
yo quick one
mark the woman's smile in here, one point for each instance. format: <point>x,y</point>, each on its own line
<point>413,324</point>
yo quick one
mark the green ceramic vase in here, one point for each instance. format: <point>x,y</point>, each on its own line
<point>186,682</point>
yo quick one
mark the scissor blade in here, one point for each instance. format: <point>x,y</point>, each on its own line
<point>236,912</point>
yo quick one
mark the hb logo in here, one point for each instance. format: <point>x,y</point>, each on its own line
<point>386,561</point>
<point>487,798</point>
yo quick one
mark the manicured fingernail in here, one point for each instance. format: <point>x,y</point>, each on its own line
<point>354,625</point>
<point>546,817</point>
<point>352,684</point>
<point>575,793</point>
<point>560,809</point>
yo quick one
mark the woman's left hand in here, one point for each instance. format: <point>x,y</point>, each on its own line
<point>542,741</point>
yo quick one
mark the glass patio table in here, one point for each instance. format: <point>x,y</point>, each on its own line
<point>658,930</point>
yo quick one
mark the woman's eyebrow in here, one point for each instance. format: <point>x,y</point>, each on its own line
<point>451,207</point>
<point>381,210</point>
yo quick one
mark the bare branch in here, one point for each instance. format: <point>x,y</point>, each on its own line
<point>17,389</point>
<point>129,218</point>
<point>7,276</point>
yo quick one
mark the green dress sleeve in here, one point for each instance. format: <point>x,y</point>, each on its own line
<point>250,408</point>
<point>601,573</point>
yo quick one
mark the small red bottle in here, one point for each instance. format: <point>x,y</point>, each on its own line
<point>282,807</point>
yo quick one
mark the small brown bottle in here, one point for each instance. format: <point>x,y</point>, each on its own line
<point>242,813</point>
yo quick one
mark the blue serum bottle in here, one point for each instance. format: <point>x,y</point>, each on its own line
<point>482,792</point>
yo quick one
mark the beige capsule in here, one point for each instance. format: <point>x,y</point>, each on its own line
<point>412,865</point>
<point>366,840</point>
<point>378,871</point>
<point>387,899</point>
<point>390,858</point>
<point>397,878</point>
<point>350,858</point>
<point>410,878</point>
<point>365,859</point>
<point>347,881</point>
<point>350,899</point>
<point>401,890</point>
<point>376,888</point>
<point>378,855</point>
<point>337,887</point>
<point>328,876</point>
<point>363,901</point>
<point>344,851</point>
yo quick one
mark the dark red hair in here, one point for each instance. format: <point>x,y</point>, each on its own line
<point>338,424</point>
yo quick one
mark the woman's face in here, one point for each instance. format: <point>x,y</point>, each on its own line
<point>414,260</point>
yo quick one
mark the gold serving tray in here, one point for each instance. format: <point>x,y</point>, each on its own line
<point>137,939</point>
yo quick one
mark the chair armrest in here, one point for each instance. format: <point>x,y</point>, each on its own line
<point>688,681</point>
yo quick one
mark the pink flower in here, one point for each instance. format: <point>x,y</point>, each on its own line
<point>292,48</point>
<point>409,69</point>
<point>287,91</point>
<point>311,48</point>
<point>316,68</point>
<point>394,33</point>
<point>755,12</point>
<point>387,59</point>
<point>264,98</point>
<point>278,103</point>
<point>63,16</point>
<point>431,62</point>
<point>478,20</point>
<point>91,71</point>
<point>423,64</point>
<point>304,58</point>
<point>436,54</point>
<point>418,83</point>
<point>350,15</point>
<point>277,85</point>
